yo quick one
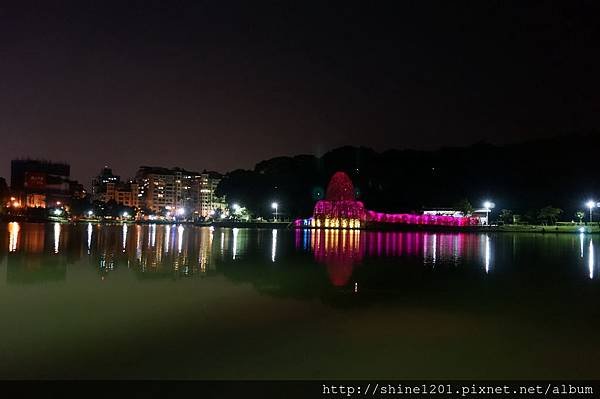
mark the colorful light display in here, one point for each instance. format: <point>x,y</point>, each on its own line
<point>341,210</point>
<point>341,251</point>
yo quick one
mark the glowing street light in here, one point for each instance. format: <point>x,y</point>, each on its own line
<point>591,204</point>
<point>90,213</point>
<point>58,212</point>
<point>180,211</point>
<point>14,203</point>
<point>235,207</point>
<point>275,205</point>
<point>125,214</point>
<point>488,205</point>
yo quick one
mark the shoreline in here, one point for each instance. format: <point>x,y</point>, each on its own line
<point>383,227</point>
<point>570,229</point>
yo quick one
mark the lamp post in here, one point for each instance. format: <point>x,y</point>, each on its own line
<point>591,204</point>
<point>488,208</point>
<point>275,205</point>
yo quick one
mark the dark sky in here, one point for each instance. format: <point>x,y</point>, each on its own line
<point>222,85</point>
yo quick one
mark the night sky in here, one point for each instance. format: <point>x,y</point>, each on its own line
<point>222,85</point>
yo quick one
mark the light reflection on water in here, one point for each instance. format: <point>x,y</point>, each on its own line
<point>274,245</point>
<point>90,229</point>
<point>591,259</point>
<point>190,250</point>
<point>342,250</point>
<point>107,294</point>
<point>13,238</point>
<point>57,229</point>
<point>235,239</point>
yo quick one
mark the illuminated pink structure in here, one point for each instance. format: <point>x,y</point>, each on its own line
<point>341,210</point>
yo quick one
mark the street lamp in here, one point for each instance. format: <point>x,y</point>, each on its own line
<point>274,205</point>
<point>488,207</point>
<point>591,204</point>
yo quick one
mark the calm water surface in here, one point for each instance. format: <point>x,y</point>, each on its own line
<point>88,301</point>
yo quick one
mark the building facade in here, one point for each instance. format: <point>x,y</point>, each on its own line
<point>103,185</point>
<point>171,190</point>
<point>208,202</point>
<point>127,194</point>
<point>109,187</point>
<point>41,184</point>
<point>156,188</point>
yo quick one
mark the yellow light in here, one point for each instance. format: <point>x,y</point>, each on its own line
<point>13,236</point>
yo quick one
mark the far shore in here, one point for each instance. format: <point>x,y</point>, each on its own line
<point>586,228</point>
<point>542,229</point>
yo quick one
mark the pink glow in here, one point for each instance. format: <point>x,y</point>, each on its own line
<point>349,209</point>
<point>342,250</point>
<point>339,250</point>
<point>340,205</point>
<point>409,218</point>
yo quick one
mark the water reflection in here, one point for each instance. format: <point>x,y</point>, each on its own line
<point>274,245</point>
<point>342,250</point>
<point>339,250</point>
<point>153,235</point>
<point>90,230</point>
<point>235,238</point>
<point>180,230</point>
<point>176,251</point>
<point>487,253</point>
<point>33,258</point>
<point>57,229</point>
<point>423,289</point>
<point>124,236</point>
<point>591,259</point>
<point>13,236</point>
<point>204,254</point>
<point>167,238</point>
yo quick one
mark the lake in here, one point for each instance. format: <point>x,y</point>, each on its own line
<point>156,301</point>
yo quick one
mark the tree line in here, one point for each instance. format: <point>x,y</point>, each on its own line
<point>523,177</point>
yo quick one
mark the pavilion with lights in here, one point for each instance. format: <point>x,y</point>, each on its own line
<point>341,210</point>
